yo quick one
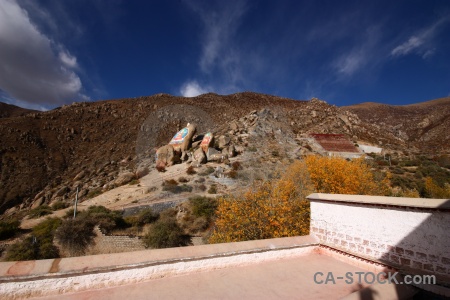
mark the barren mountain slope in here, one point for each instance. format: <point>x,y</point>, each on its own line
<point>8,110</point>
<point>43,155</point>
<point>424,125</point>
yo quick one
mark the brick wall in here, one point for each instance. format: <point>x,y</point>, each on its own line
<point>404,236</point>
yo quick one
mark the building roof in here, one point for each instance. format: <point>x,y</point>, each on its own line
<point>335,143</point>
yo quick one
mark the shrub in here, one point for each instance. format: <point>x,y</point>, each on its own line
<point>338,176</point>
<point>177,189</point>
<point>212,189</point>
<point>269,209</point>
<point>166,233</point>
<point>208,171</point>
<point>190,170</point>
<point>203,207</point>
<point>37,246</point>
<point>8,229</point>
<point>40,211</point>
<point>170,182</point>
<point>183,179</point>
<point>59,205</point>
<point>202,187</point>
<point>232,174</point>
<point>145,216</point>
<point>133,182</point>
<point>236,166</point>
<point>160,168</point>
<point>75,235</point>
<point>94,193</point>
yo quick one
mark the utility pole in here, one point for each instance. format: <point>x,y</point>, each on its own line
<point>76,203</point>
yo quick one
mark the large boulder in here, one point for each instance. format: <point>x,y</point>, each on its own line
<point>181,141</point>
<point>223,141</point>
<point>199,156</point>
<point>124,178</point>
<point>208,141</point>
<point>165,156</point>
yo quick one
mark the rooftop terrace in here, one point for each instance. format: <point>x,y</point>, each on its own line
<point>349,234</point>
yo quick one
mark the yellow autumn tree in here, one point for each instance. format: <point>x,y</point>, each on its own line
<point>337,175</point>
<point>435,191</point>
<point>267,210</point>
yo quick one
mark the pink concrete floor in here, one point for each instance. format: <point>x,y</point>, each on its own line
<point>281,279</point>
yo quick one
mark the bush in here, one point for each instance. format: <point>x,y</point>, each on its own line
<point>40,211</point>
<point>232,174</point>
<point>203,207</point>
<point>8,229</point>
<point>59,205</point>
<point>208,171</point>
<point>236,166</point>
<point>177,189</point>
<point>212,189</point>
<point>183,179</point>
<point>145,216</point>
<point>94,193</point>
<point>161,168</point>
<point>166,233</point>
<point>37,246</point>
<point>202,187</point>
<point>270,209</point>
<point>75,235</point>
<point>190,170</point>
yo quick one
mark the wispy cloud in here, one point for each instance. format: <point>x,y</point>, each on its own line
<point>421,42</point>
<point>366,51</point>
<point>35,69</point>
<point>192,89</point>
<point>220,56</point>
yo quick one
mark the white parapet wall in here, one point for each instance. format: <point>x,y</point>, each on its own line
<point>411,234</point>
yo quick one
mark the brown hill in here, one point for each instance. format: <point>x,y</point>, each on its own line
<point>44,155</point>
<point>423,125</point>
<point>8,110</point>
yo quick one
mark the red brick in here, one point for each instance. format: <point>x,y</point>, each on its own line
<point>366,243</point>
<point>381,246</point>
<point>368,251</point>
<point>336,241</point>
<point>321,230</point>
<point>315,229</point>
<point>390,248</point>
<point>373,244</point>
<point>409,253</point>
<point>441,270</point>
<point>385,256</point>
<point>360,249</point>
<point>349,238</point>
<point>352,246</point>
<point>446,261</point>
<point>344,243</point>
<point>357,240</point>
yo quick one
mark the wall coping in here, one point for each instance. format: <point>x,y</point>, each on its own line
<point>438,204</point>
<point>73,266</point>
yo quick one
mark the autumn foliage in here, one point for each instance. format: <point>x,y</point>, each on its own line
<point>435,191</point>
<point>336,175</point>
<point>269,209</point>
<point>279,208</point>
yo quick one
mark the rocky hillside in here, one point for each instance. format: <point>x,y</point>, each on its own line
<point>423,125</point>
<point>9,111</point>
<point>44,156</point>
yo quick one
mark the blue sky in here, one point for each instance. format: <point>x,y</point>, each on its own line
<point>55,52</point>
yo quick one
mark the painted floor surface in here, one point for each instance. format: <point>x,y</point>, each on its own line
<point>280,279</point>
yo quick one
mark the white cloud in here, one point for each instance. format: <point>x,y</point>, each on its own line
<point>421,42</point>
<point>67,59</point>
<point>192,89</point>
<point>34,69</point>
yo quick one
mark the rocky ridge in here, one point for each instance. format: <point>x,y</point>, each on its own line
<point>46,156</point>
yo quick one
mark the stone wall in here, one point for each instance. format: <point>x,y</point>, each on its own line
<point>115,243</point>
<point>407,233</point>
